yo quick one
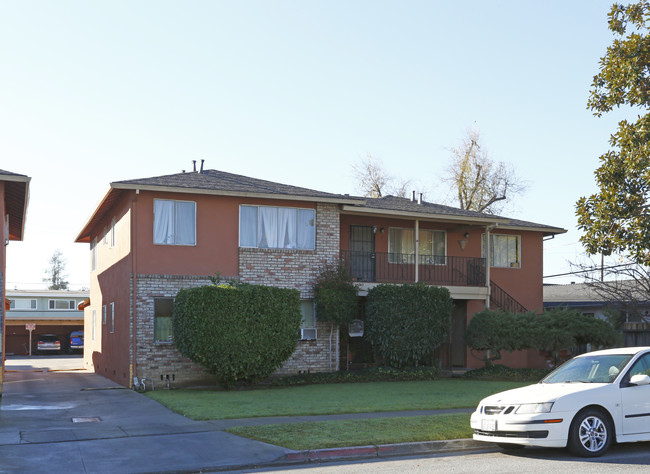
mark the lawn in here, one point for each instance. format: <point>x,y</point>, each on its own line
<point>376,431</point>
<point>326,399</point>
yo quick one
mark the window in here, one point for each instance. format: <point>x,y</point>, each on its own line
<point>112,317</point>
<point>94,323</point>
<point>62,305</point>
<point>174,222</point>
<point>308,326</point>
<point>162,319</point>
<point>113,232</point>
<point>104,315</point>
<point>93,255</point>
<point>277,227</point>
<point>23,304</point>
<point>432,247</point>
<point>505,250</point>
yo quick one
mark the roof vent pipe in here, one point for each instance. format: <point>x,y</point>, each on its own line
<point>194,165</point>
<point>420,198</point>
<point>413,196</point>
<point>202,166</point>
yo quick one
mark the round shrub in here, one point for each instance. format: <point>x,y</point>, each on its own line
<point>240,333</point>
<point>406,323</point>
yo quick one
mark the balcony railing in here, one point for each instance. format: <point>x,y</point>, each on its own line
<point>378,267</point>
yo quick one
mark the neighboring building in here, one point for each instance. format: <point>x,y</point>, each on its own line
<point>151,237</point>
<point>634,313</point>
<point>49,311</point>
<point>14,196</point>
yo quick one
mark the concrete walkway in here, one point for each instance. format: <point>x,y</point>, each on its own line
<point>76,421</point>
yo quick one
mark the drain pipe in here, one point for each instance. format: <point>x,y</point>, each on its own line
<point>417,250</point>
<point>134,295</point>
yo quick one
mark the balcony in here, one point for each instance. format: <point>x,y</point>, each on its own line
<point>378,267</point>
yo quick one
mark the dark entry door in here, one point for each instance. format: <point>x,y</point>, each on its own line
<point>457,336</point>
<point>362,253</point>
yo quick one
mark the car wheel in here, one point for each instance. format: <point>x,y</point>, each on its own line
<point>590,434</point>
<point>510,446</point>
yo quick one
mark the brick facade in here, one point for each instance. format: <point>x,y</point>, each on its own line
<point>296,269</point>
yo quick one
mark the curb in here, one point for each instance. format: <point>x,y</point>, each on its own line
<point>386,450</point>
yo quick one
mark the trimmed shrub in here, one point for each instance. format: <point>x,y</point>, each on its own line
<point>493,331</point>
<point>406,323</point>
<point>335,295</point>
<point>240,333</point>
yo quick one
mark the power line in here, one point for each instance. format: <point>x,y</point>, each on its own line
<point>594,269</point>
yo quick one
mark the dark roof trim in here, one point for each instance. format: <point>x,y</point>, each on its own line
<point>16,202</point>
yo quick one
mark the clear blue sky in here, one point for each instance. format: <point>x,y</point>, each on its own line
<point>295,92</point>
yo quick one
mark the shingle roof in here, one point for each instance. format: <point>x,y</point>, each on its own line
<point>398,204</point>
<point>229,183</point>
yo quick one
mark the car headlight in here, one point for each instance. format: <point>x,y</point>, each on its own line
<point>528,408</point>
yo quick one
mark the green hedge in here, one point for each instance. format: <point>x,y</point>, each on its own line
<point>240,333</point>
<point>406,323</point>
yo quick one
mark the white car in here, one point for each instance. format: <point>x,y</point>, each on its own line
<point>585,405</point>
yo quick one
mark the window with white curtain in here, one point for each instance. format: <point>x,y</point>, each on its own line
<point>174,222</point>
<point>505,250</point>
<point>277,227</point>
<point>432,246</point>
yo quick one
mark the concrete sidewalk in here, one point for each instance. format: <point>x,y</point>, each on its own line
<point>82,422</point>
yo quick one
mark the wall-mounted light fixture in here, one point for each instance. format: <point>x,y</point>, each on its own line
<point>382,230</point>
<point>374,229</point>
<point>463,242</point>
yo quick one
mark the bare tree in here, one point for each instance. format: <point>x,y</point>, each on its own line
<point>625,285</point>
<point>374,181</point>
<point>56,272</point>
<point>479,183</point>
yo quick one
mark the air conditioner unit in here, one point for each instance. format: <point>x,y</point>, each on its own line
<point>308,334</point>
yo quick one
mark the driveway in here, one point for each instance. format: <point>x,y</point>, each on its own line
<point>54,416</point>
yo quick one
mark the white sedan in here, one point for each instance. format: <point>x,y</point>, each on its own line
<point>584,405</point>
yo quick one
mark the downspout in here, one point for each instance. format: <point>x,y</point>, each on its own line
<point>134,295</point>
<point>417,250</point>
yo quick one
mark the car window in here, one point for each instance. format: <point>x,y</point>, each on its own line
<point>641,366</point>
<point>589,369</point>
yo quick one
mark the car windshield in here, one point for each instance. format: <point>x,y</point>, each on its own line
<point>589,369</point>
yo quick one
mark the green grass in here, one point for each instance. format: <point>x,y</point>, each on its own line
<point>364,432</point>
<point>330,398</point>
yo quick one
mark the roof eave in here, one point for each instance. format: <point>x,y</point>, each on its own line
<point>423,215</point>
<point>213,192</point>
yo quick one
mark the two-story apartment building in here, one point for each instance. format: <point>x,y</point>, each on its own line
<point>56,312</point>
<point>151,237</point>
<point>14,196</point>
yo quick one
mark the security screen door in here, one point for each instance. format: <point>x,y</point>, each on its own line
<point>362,253</point>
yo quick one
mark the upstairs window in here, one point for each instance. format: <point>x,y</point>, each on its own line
<point>505,250</point>
<point>268,227</point>
<point>23,304</point>
<point>432,247</point>
<point>62,305</point>
<point>174,222</point>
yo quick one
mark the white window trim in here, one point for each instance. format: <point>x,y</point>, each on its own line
<point>112,327</point>
<point>515,267</point>
<point>277,207</point>
<point>15,300</point>
<point>444,232</point>
<point>196,218</point>
<point>93,255</point>
<point>309,333</point>
<point>112,231</point>
<point>74,304</point>
<point>104,312</point>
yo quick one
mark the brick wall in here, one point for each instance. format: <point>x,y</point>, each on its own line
<point>298,269</point>
<point>160,360</point>
<point>282,268</point>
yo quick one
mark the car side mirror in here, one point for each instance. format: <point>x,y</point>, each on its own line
<point>640,379</point>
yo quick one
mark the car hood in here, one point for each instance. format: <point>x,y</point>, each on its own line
<point>539,393</point>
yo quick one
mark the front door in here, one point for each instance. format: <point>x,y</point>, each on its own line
<point>457,336</point>
<point>362,253</point>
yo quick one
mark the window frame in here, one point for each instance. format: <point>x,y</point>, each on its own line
<point>297,228</point>
<point>72,305</point>
<point>32,301</point>
<point>93,255</point>
<point>170,337</point>
<point>434,259</point>
<point>112,326</point>
<point>492,265</point>
<point>175,201</point>
<point>308,333</point>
